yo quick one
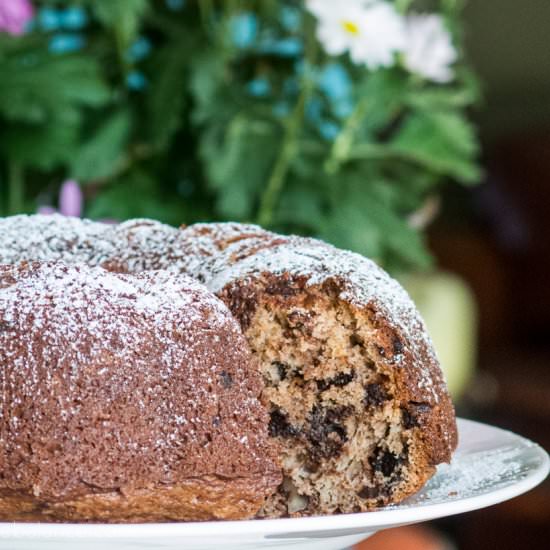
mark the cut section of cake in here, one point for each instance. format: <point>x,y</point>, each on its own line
<point>355,393</point>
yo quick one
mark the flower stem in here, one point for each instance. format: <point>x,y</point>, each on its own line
<point>289,147</point>
<point>16,186</point>
<point>275,183</point>
<point>206,10</point>
<point>402,5</point>
<point>343,143</point>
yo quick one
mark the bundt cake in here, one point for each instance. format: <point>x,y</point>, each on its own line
<point>355,396</point>
<point>126,398</point>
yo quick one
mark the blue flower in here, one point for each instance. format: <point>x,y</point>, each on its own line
<point>243,29</point>
<point>329,130</point>
<point>314,108</point>
<point>335,82</point>
<point>175,5</point>
<point>291,18</point>
<point>259,87</point>
<point>136,81</point>
<point>281,109</point>
<point>343,108</point>
<point>73,18</point>
<point>139,49</point>
<point>285,47</point>
<point>66,43</point>
<point>49,19</point>
<point>314,114</point>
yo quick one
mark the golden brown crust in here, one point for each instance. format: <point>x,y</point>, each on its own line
<point>194,499</point>
<point>433,415</point>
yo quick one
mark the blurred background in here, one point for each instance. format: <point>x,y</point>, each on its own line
<point>415,132</point>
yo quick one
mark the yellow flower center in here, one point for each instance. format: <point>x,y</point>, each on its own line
<point>351,27</point>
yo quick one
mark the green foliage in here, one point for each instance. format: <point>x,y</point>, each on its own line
<point>441,141</point>
<point>166,99</point>
<point>135,194</point>
<point>212,128</point>
<point>123,17</point>
<point>39,88</point>
<point>99,156</point>
<point>237,159</point>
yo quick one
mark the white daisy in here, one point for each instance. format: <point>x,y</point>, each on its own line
<point>429,50</point>
<point>372,31</point>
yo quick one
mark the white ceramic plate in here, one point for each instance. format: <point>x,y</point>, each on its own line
<point>490,466</point>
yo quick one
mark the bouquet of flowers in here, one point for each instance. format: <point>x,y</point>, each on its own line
<point>339,119</point>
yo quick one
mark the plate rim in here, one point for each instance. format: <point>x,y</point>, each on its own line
<point>364,520</point>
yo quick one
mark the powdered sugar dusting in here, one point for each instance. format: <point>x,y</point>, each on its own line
<point>220,254</point>
<point>487,460</point>
<point>68,288</point>
<point>472,474</point>
<point>163,347</point>
<point>54,238</point>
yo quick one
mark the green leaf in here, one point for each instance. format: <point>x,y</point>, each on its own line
<point>236,162</point>
<point>41,97</point>
<point>100,156</point>
<point>402,242</point>
<point>166,96</point>
<point>383,92</point>
<point>300,206</point>
<point>206,85</point>
<point>378,105</point>
<point>135,195</point>
<point>442,141</point>
<point>410,184</point>
<point>363,218</point>
<point>42,146</point>
<point>50,88</point>
<point>349,227</point>
<point>429,99</point>
<point>123,16</point>
<point>81,82</point>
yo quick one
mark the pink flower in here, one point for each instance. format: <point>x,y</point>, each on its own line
<point>70,200</point>
<point>14,15</point>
